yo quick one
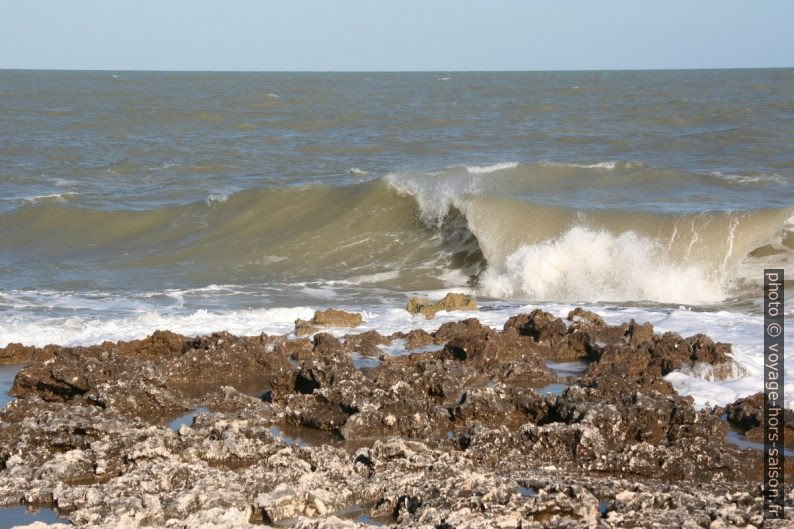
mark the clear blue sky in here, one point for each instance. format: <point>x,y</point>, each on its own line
<point>395,35</point>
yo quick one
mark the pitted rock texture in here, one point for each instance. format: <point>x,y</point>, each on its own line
<point>292,433</point>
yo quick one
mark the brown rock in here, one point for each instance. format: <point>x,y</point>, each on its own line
<point>479,448</point>
<point>459,328</point>
<point>417,338</point>
<point>538,324</point>
<point>327,318</point>
<point>451,301</point>
<point>157,375</point>
<point>337,318</point>
<point>747,414</point>
<point>552,338</point>
<point>580,317</point>
<point>366,343</point>
<point>638,334</point>
<point>16,353</point>
<point>159,344</point>
<point>594,325</point>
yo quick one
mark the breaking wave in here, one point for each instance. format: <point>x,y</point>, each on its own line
<point>501,228</point>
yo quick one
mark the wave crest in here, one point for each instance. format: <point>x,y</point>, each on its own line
<point>595,265</point>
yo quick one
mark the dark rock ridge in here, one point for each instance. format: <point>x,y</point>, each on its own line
<point>455,435</point>
<point>747,416</point>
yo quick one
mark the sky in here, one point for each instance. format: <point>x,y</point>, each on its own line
<point>397,35</point>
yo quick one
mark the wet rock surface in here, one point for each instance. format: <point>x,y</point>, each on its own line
<point>747,416</point>
<point>291,433</point>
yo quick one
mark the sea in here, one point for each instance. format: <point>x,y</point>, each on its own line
<point>202,202</point>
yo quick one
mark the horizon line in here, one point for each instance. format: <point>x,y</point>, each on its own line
<point>191,70</point>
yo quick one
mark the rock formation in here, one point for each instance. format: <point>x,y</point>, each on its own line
<point>451,301</point>
<point>458,435</point>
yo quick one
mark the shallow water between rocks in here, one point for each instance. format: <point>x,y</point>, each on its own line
<point>552,389</point>
<point>289,433</point>
<point>186,419</point>
<point>20,515</point>
<point>527,491</point>
<point>368,520</point>
<point>573,370</point>
<point>7,375</point>
<point>738,439</point>
<point>568,369</point>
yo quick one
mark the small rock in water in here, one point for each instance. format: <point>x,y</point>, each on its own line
<point>451,301</point>
<point>327,318</point>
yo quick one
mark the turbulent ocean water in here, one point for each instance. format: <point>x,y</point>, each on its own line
<point>239,201</point>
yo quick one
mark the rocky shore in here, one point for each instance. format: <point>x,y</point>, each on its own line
<point>464,427</point>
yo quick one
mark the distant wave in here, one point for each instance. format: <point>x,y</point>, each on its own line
<point>54,197</point>
<point>607,165</point>
<point>216,198</point>
<point>751,179</point>
<point>476,169</point>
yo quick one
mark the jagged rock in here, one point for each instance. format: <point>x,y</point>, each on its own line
<point>16,353</point>
<point>551,337</point>
<point>747,414</point>
<point>366,343</point>
<point>538,325</point>
<point>454,329</point>
<point>451,301</point>
<point>292,433</point>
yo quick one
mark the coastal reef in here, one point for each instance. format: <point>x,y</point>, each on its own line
<point>546,423</point>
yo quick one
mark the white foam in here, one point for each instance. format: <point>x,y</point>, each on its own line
<point>93,330</point>
<point>607,165</point>
<point>216,198</point>
<point>54,197</point>
<point>355,171</point>
<point>743,331</point>
<point>166,165</point>
<point>485,169</point>
<point>580,264</point>
<point>436,193</point>
<point>751,179</point>
<point>584,264</point>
